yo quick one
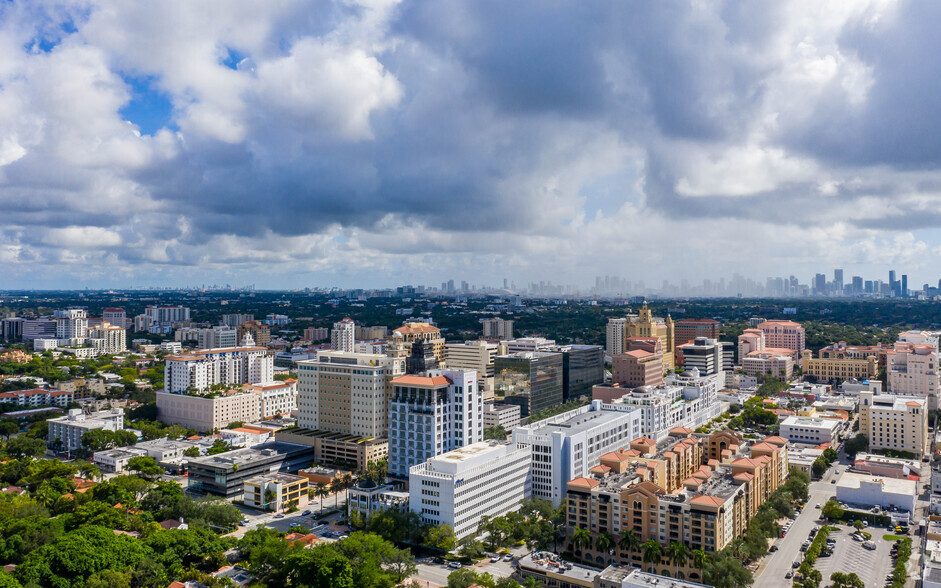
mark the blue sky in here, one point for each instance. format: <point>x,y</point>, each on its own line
<point>381,142</point>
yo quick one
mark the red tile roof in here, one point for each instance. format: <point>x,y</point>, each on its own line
<point>422,381</point>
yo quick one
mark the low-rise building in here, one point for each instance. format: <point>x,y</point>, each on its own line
<point>337,448</point>
<point>865,490</point>
<point>799,429</point>
<point>502,415</point>
<point>887,467</point>
<point>367,497</point>
<point>114,461</point>
<point>931,573</point>
<point>207,412</point>
<point>66,432</point>
<point>275,492</point>
<point>38,397</point>
<point>225,473</point>
<point>459,487</point>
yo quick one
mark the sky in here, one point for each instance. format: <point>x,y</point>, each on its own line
<point>376,143</point>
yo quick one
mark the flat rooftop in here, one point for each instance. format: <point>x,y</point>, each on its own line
<point>276,477</point>
<point>544,561</point>
<point>892,485</point>
<point>248,455</point>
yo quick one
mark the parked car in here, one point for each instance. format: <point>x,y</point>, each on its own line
<point>789,574</point>
<point>306,513</point>
<point>495,558</point>
<point>455,565</point>
<point>508,557</point>
<point>279,516</point>
<point>796,565</point>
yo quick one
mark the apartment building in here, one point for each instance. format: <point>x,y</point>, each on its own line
<point>637,368</point>
<point>497,328</point>
<point>108,339</point>
<point>894,422</point>
<point>219,337</point>
<point>706,510</point>
<point>531,380</point>
<point>488,478</point>
<point>316,333</point>
<point>784,334</point>
<point>116,316</point>
<point>615,331</point>
<point>912,370</point>
<point>346,392</point>
<point>836,368</point>
<point>259,331</point>
<point>38,397</point>
<point>207,413</point>
<point>71,323</point>
<point>276,491</point>
<point>769,362</point>
<point>429,333</point>
<point>432,414</point>
<point>233,320</point>
<point>227,366</point>
<point>567,445</point>
<point>684,400</point>
<point>343,336</point>
<point>66,432</point>
<point>275,398</point>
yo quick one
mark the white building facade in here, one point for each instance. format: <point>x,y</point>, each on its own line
<point>343,336</point>
<point>566,446</point>
<point>68,430</point>
<point>812,430</point>
<point>459,487</point>
<point>233,365</point>
<point>686,400</point>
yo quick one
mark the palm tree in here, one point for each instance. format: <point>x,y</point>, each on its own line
<point>653,551</point>
<point>321,491</point>
<point>699,560</point>
<point>737,547</point>
<point>581,538</point>
<point>336,487</point>
<point>347,481</point>
<point>604,542</point>
<point>678,553</point>
<point>629,542</point>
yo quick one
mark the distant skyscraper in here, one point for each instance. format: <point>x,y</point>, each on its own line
<point>838,281</point>
<point>820,284</point>
<point>904,290</point>
<point>858,285</point>
<point>892,286</point>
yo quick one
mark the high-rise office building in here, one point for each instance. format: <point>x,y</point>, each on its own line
<point>531,380</point>
<point>838,281</point>
<point>820,284</point>
<point>582,368</point>
<point>497,328</point>
<point>432,414</point>
<point>344,392</point>
<point>115,316</point>
<point>71,323</point>
<point>904,289</point>
<point>343,336</point>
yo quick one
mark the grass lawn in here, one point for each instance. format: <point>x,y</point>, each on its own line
<point>892,537</point>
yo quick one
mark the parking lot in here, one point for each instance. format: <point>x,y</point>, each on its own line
<point>850,556</point>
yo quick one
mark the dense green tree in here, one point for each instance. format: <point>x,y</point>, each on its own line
<point>145,466</point>
<point>8,581</point>
<point>23,446</point>
<point>191,451</point>
<point>495,432</point>
<point>320,567</point>
<point>441,536</point>
<point>8,428</point>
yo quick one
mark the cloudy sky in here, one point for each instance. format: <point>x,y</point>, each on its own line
<point>377,142</point>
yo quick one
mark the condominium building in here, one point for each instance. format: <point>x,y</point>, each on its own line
<point>705,354</point>
<point>259,331</point>
<point>275,398</point>
<point>811,430</point>
<point>116,316</point>
<point>899,423</point>
<point>203,369</point>
<point>502,415</point>
<point>785,334</point>
<point>637,368</point>
<point>346,392</point>
<point>108,339</point>
<point>167,316</point>
<point>219,337</point>
<point>233,320</point>
<point>920,337</point>
<point>207,413</point>
<point>686,330</point>
<point>769,362</point>
<point>432,414</point>
<point>38,397</point>
<point>488,478</point>
<point>371,333</point>
<point>614,336</point>
<point>343,336</point>
<point>316,333</point>
<point>567,445</point>
<point>66,432</point>
<point>531,380</point>
<point>912,369</point>
<point>412,332</point>
<point>684,400</point>
<point>474,355</point>
<point>726,484</point>
<point>749,341</point>
<point>497,328</point>
<point>71,323</point>
<point>276,491</point>
<point>836,368</point>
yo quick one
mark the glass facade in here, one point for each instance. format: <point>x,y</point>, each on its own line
<point>533,381</point>
<point>582,368</point>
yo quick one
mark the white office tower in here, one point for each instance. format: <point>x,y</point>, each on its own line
<point>432,414</point>
<point>346,393</point>
<point>614,336</point>
<point>566,446</point>
<point>202,369</point>
<point>343,336</point>
<point>71,323</point>
<point>457,488</point>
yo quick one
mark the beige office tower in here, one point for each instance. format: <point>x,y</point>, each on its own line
<point>474,355</point>
<point>899,423</point>
<point>412,332</point>
<point>345,392</point>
